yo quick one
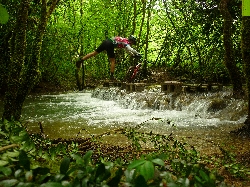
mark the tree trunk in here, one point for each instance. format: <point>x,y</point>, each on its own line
<point>17,52</point>
<point>245,47</point>
<point>142,22</point>
<point>134,18</point>
<point>229,60</point>
<point>20,84</point>
<point>4,59</point>
<point>32,74</point>
<point>80,81</point>
<point>146,39</point>
<point>148,29</point>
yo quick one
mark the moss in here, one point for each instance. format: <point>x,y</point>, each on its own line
<point>217,104</point>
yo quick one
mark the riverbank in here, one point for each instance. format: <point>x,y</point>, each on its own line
<point>215,146</point>
<point>212,142</point>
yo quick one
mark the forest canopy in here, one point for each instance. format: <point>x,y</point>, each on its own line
<point>186,36</point>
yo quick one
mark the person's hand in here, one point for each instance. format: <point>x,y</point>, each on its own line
<point>137,56</point>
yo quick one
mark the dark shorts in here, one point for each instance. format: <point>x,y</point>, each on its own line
<point>107,45</point>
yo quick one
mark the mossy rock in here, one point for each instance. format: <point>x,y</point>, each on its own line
<point>216,105</point>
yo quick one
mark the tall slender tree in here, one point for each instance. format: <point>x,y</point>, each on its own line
<point>229,49</point>
<point>144,2</point>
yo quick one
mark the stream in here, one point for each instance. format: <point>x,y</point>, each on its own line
<point>207,116</point>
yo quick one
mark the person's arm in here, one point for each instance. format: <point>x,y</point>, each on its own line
<point>132,51</point>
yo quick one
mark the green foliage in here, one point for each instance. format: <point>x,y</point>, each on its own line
<point>230,163</point>
<point>181,47</point>
<point>171,164</point>
<point>4,16</point>
<point>184,38</point>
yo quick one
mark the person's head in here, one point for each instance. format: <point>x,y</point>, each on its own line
<point>132,40</point>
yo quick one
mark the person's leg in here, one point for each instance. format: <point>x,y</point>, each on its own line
<point>100,48</point>
<point>79,62</point>
<point>89,55</point>
<point>112,67</point>
<point>111,56</point>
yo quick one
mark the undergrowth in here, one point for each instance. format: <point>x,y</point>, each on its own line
<point>33,160</point>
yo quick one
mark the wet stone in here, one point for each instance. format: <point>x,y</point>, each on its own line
<point>171,86</point>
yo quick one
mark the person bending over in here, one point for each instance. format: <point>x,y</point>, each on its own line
<point>109,45</point>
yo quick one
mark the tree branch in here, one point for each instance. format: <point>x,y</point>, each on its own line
<point>8,147</point>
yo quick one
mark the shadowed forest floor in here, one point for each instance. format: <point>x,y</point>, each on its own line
<point>220,142</point>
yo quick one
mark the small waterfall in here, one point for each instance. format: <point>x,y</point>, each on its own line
<point>106,108</point>
<point>203,105</point>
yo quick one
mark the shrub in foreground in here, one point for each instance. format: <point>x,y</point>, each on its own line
<point>171,164</point>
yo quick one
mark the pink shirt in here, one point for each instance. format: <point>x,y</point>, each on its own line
<point>120,42</point>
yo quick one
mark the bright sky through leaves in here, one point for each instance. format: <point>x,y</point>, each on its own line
<point>4,16</point>
<point>246,8</point>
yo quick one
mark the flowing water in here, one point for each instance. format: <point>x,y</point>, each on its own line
<point>79,114</point>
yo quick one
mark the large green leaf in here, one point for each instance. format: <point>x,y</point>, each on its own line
<point>52,184</point>
<point>78,158</point>
<point>5,170</point>
<point>87,157</point>
<point>64,165</point>
<point>158,161</point>
<point>12,154</point>
<point>130,175</point>
<point>26,184</point>
<point>29,176</point>
<point>4,16</point>
<point>147,170</point>
<point>140,181</point>
<point>18,173</point>
<point>9,183</point>
<point>59,177</point>
<point>204,176</point>
<point>116,179</point>
<point>3,162</point>
<point>28,145</point>
<point>85,182</point>
<point>16,139</point>
<point>184,181</point>
<point>24,160</point>
<point>100,170</point>
<point>102,173</point>
<point>136,163</point>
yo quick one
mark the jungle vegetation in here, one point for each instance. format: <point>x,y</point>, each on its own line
<point>40,41</point>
